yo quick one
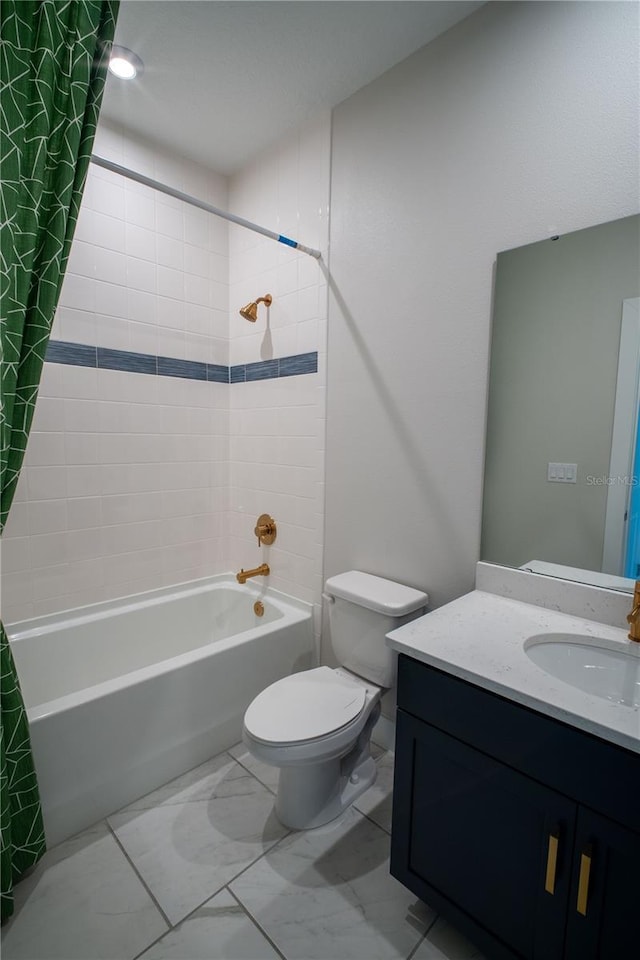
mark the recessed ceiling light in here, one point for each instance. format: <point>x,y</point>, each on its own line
<point>125,63</point>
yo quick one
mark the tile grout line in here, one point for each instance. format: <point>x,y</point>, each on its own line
<point>255,922</point>
<point>142,880</point>
<point>371,820</point>
<point>418,945</point>
<point>210,896</point>
<point>152,944</point>
<point>423,937</point>
<point>254,775</point>
<point>216,891</point>
<point>263,854</point>
<point>187,916</point>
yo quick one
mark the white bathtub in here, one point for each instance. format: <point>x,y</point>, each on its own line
<point>125,695</point>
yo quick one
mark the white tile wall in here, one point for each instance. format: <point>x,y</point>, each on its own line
<point>277,426</point>
<point>124,486</point>
<point>132,481</point>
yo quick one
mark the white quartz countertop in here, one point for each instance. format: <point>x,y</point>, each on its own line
<point>480,638</point>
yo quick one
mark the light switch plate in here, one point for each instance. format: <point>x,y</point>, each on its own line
<point>562,472</point>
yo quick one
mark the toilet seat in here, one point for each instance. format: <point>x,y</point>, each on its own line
<point>304,706</point>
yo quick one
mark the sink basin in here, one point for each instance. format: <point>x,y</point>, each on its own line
<point>604,668</point>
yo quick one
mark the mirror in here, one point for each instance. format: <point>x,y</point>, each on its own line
<point>561,490</point>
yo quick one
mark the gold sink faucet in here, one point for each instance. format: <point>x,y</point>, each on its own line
<point>261,571</point>
<point>633,618</point>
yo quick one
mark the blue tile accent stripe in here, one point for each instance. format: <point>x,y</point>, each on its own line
<point>78,354</point>
<point>217,373</point>
<point>263,370</point>
<point>269,369</point>
<point>302,363</point>
<point>187,369</point>
<point>109,359</point>
<point>84,355</point>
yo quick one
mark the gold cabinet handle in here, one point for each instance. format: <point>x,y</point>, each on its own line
<point>583,880</point>
<point>552,861</point>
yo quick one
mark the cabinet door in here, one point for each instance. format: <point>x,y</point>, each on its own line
<point>605,891</point>
<point>471,834</point>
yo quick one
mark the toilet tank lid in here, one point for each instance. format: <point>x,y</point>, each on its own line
<point>376,593</point>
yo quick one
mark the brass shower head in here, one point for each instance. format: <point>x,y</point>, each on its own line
<point>250,312</point>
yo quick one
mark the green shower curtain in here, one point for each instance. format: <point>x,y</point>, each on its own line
<point>54,56</point>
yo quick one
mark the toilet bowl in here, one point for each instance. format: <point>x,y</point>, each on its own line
<point>316,725</point>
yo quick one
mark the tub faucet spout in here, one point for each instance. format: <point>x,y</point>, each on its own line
<point>261,571</point>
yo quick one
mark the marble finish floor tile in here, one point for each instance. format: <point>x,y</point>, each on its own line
<point>376,802</point>
<point>192,836</point>
<point>443,942</point>
<point>219,930</point>
<point>265,773</point>
<point>328,893</point>
<point>82,902</point>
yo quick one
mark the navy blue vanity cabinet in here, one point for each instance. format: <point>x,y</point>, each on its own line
<point>607,857</point>
<point>523,831</point>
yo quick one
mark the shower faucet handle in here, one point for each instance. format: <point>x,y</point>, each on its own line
<point>265,529</point>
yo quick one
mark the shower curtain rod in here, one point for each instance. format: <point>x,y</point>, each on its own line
<point>186,198</point>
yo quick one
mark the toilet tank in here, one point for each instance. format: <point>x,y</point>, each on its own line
<point>362,610</point>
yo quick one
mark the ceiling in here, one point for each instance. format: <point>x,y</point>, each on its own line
<point>225,80</point>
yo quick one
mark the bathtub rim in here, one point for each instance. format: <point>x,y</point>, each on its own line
<point>35,626</point>
<point>293,611</point>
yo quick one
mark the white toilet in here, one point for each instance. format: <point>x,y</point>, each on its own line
<point>316,725</point>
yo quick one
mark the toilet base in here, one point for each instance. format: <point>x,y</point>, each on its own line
<point>310,795</point>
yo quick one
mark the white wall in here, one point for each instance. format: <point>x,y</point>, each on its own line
<point>520,122</point>
<point>125,480</point>
<point>277,426</point>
